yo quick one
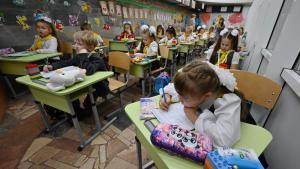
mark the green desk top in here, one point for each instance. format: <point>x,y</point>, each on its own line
<point>92,79</point>
<point>101,47</point>
<point>138,38</point>
<point>252,136</point>
<point>31,58</point>
<point>186,43</point>
<point>121,41</point>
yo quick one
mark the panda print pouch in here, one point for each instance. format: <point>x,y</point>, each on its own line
<point>185,143</point>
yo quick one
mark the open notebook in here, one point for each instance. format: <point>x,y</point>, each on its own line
<point>175,115</point>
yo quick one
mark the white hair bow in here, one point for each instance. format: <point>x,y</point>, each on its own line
<point>198,28</point>
<point>204,26</point>
<point>152,30</point>
<point>126,22</point>
<point>225,30</point>
<point>144,27</point>
<point>226,78</point>
<point>234,32</point>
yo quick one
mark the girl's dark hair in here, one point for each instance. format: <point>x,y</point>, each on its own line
<point>198,78</point>
<point>142,43</point>
<point>199,30</point>
<point>234,45</point>
<point>171,30</point>
<point>53,31</point>
<point>160,27</point>
<point>129,25</point>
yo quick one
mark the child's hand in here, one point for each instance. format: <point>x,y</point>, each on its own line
<point>47,68</point>
<point>165,105</point>
<point>191,114</point>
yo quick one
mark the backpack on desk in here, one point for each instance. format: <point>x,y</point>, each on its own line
<point>188,144</point>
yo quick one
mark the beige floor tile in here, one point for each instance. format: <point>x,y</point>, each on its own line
<point>114,147</point>
<point>83,159</point>
<point>25,165</point>
<point>58,165</point>
<point>115,129</point>
<point>72,134</point>
<point>124,140</point>
<point>102,154</point>
<point>99,140</point>
<point>110,132</point>
<point>89,164</point>
<point>129,135</point>
<point>117,163</point>
<point>43,155</point>
<point>67,157</point>
<point>132,127</point>
<point>105,136</point>
<point>95,152</point>
<point>36,145</point>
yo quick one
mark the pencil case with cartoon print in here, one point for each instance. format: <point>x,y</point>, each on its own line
<point>185,143</point>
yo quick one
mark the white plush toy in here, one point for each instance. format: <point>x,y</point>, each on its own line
<point>62,79</point>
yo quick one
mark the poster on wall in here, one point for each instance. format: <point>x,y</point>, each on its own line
<point>104,8</point>
<point>205,17</point>
<point>111,7</point>
<point>119,10</point>
<point>125,14</point>
<point>136,13</point>
<point>223,9</point>
<point>145,13</point>
<point>141,13</point>
<point>131,15</point>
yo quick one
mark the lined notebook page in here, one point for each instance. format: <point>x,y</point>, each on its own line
<point>175,115</point>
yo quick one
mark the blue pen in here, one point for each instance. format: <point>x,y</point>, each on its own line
<point>163,92</point>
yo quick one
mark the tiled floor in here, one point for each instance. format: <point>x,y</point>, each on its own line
<point>112,149</point>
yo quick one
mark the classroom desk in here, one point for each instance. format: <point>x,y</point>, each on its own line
<point>142,70</point>
<point>185,47</point>
<point>16,65</point>
<point>62,100</point>
<point>164,160</point>
<point>115,45</point>
<point>138,39</point>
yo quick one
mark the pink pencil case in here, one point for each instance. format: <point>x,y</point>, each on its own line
<point>185,143</point>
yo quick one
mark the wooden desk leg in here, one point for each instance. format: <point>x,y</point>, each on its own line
<point>139,153</point>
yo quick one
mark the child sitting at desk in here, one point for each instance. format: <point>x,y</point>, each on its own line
<point>160,31</point>
<point>211,101</point>
<point>170,37</point>
<point>46,41</point>
<point>224,54</point>
<point>148,46</point>
<point>188,36</point>
<point>84,44</point>
<point>127,31</point>
<point>87,26</point>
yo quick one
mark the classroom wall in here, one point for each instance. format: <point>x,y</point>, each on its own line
<point>12,34</point>
<point>231,19</point>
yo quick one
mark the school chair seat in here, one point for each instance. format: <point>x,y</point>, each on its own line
<point>253,137</point>
<point>115,84</point>
<point>258,89</point>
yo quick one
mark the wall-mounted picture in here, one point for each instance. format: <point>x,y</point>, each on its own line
<point>131,13</point>
<point>119,10</point>
<point>136,13</point>
<point>104,9</point>
<point>111,7</point>
<point>145,13</point>
<point>125,13</point>
<point>141,13</point>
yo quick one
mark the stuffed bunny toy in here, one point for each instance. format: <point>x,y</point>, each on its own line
<point>62,79</point>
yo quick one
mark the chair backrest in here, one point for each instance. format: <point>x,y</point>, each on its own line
<point>105,41</point>
<point>65,47</point>
<point>257,89</point>
<point>164,51</point>
<point>119,60</point>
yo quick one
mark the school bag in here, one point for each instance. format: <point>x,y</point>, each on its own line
<point>162,80</point>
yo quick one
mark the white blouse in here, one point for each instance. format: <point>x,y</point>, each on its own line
<point>48,46</point>
<point>166,41</point>
<point>190,38</point>
<point>223,126</point>
<point>151,50</point>
<point>235,58</point>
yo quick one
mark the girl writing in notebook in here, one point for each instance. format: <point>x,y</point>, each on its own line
<point>224,54</point>
<point>210,99</point>
<point>46,40</point>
